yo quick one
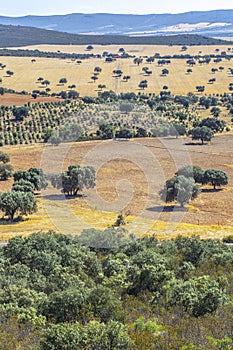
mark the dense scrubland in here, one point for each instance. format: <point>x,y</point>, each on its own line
<point>108,290</point>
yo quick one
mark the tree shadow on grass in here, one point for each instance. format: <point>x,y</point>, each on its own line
<point>195,143</point>
<point>167,209</point>
<point>211,190</point>
<point>61,197</point>
<point>4,221</point>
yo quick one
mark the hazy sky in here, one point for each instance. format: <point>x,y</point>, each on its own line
<point>48,7</point>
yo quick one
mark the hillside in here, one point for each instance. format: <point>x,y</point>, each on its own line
<point>14,36</point>
<point>210,23</point>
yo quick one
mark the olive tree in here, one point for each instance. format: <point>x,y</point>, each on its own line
<point>202,133</point>
<point>215,177</point>
<point>75,179</point>
<point>12,202</point>
<point>20,113</point>
<point>4,158</point>
<point>180,189</point>
<point>23,186</point>
<point>192,171</point>
<point>34,175</point>
<point>6,171</point>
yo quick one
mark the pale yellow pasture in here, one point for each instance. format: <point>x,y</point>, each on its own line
<point>138,50</point>
<point>178,81</point>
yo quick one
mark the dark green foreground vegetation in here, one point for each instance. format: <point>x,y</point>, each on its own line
<point>107,290</point>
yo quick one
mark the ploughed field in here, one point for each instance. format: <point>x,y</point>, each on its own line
<point>129,177</point>
<point>177,80</point>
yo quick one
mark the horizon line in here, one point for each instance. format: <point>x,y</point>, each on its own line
<point>111,13</point>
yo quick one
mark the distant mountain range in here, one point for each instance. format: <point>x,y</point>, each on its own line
<point>217,23</point>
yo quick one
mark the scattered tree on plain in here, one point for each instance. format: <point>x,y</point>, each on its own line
<point>6,171</point>
<point>215,177</point>
<point>143,84</point>
<point>33,175</point>
<point>126,78</point>
<point>63,81</point>
<point>12,202</point>
<point>75,179</point>
<point>180,189</point>
<point>138,60</point>
<point>202,133</point>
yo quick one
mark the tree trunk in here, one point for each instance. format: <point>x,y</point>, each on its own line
<point>12,214</point>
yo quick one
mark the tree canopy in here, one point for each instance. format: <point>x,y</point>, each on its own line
<point>35,176</point>
<point>58,292</point>
<point>202,133</point>
<point>215,177</point>
<point>180,189</point>
<point>12,202</point>
<point>75,179</point>
<point>4,158</point>
<point>6,170</point>
<point>20,113</point>
<point>192,171</point>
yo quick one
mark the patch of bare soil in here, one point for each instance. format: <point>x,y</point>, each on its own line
<point>20,100</point>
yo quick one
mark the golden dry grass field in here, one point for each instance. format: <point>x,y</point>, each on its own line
<point>211,215</point>
<point>178,81</point>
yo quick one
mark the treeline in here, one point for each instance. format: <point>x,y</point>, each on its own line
<point>66,55</point>
<point>109,290</point>
<point>46,54</point>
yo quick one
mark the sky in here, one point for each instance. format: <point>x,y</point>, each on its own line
<point>49,7</point>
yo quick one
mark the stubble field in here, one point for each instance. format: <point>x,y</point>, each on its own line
<point>178,81</point>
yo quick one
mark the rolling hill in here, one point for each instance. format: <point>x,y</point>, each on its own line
<point>15,36</point>
<point>208,23</point>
